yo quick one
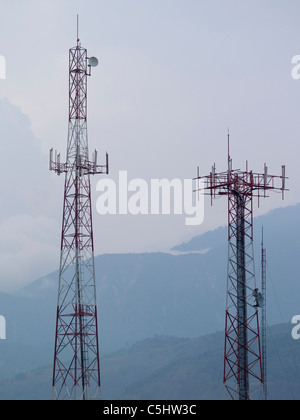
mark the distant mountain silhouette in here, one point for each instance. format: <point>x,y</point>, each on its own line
<point>140,295</point>
<point>171,368</point>
<point>180,294</point>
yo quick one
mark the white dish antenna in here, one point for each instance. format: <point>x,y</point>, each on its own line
<point>93,62</point>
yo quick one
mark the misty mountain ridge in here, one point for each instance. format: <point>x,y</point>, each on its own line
<point>180,294</point>
<point>166,368</point>
<point>141,295</point>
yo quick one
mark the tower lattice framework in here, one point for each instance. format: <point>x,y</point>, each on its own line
<point>243,368</point>
<point>76,370</point>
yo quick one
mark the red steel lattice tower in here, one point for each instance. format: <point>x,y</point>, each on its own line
<point>243,370</point>
<point>76,370</point>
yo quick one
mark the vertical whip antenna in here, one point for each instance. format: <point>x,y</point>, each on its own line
<point>78,29</point>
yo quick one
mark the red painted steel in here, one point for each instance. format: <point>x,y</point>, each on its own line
<point>76,370</point>
<point>242,350</point>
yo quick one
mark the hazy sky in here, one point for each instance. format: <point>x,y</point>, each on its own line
<point>173,76</point>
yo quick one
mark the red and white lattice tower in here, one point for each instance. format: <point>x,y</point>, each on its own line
<point>76,370</point>
<point>243,369</point>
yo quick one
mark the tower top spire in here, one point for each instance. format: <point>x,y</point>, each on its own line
<point>78,40</point>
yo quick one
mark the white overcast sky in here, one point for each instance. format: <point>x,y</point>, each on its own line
<point>173,76</point>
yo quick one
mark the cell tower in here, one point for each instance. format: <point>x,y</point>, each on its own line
<point>76,370</point>
<point>243,370</point>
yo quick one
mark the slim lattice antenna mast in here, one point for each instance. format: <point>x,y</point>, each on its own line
<point>264,315</point>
